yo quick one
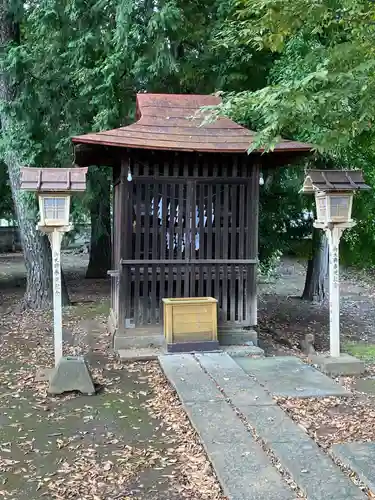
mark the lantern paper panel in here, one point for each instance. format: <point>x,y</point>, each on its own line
<point>341,207</point>
<point>54,210</point>
<point>321,207</point>
<point>334,207</point>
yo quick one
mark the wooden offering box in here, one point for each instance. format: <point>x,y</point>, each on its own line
<point>190,324</point>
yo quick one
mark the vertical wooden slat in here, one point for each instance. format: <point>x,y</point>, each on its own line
<point>114,233</point>
<point>186,231</point>
<point>206,270</point>
<point>200,192</point>
<point>248,252</point>
<point>241,249</point>
<point>204,275</point>
<point>188,238</point>
<point>137,228</point>
<point>217,251</point>
<point>233,244</point>
<point>121,227</point>
<point>218,290</point>
<point>180,229</point>
<point>202,242</point>
<point>116,242</point>
<point>225,240</point>
<point>146,252</point>
<point>125,246</point>
<point>209,236</point>
<point>163,244</point>
<point>217,226</point>
<point>194,228</point>
<point>154,246</point>
<point>233,269</point>
<point>209,222</point>
<point>129,251</point>
<point>171,223</point>
<point>205,167</point>
<point>181,225</point>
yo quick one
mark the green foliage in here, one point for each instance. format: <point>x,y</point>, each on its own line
<point>268,269</point>
<point>281,212</point>
<point>6,202</point>
<point>78,65</point>
<point>301,69</point>
<point>320,88</point>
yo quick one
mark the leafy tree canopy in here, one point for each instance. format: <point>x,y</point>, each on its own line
<point>320,87</point>
<point>6,202</point>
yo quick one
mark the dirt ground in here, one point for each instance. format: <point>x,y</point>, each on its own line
<point>131,440</point>
<point>284,318</point>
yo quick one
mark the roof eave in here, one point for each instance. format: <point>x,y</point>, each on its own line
<point>279,150</point>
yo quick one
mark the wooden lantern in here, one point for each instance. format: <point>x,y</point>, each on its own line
<point>54,187</point>
<point>333,207</point>
<point>334,191</point>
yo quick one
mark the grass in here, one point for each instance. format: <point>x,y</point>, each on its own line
<point>90,310</point>
<point>361,350</point>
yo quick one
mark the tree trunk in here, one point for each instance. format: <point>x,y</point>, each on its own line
<point>100,214</point>
<point>36,249</point>
<point>317,268</point>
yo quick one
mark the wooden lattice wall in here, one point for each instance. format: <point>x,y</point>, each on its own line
<point>186,225</point>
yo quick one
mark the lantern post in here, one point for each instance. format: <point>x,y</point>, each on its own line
<point>334,190</point>
<point>54,187</point>
<point>54,221</point>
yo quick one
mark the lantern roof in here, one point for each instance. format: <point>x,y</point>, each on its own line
<point>53,179</point>
<point>333,180</point>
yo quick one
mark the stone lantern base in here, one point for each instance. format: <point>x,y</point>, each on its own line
<point>71,374</point>
<point>344,365</point>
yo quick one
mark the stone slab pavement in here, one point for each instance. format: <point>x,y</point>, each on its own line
<point>186,376</point>
<point>241,465</point>
<point>215,392</point>
<point>359,457</point>
<point>236,384</point>
<point>287,376</point>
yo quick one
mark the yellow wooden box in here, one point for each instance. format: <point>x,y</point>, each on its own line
<point>190,323</point>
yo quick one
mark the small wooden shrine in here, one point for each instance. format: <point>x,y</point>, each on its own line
<point>185,210</point>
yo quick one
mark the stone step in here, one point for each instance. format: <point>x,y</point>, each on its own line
<point>140,353</point>
<point>235,351</point>
<point>242,467</point>
<point>130,354</point>
<point>128,341</point>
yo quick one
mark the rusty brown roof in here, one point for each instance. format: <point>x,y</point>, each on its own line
<point>164,122</point>
<point>53,179</point>
<point>333,180</point>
